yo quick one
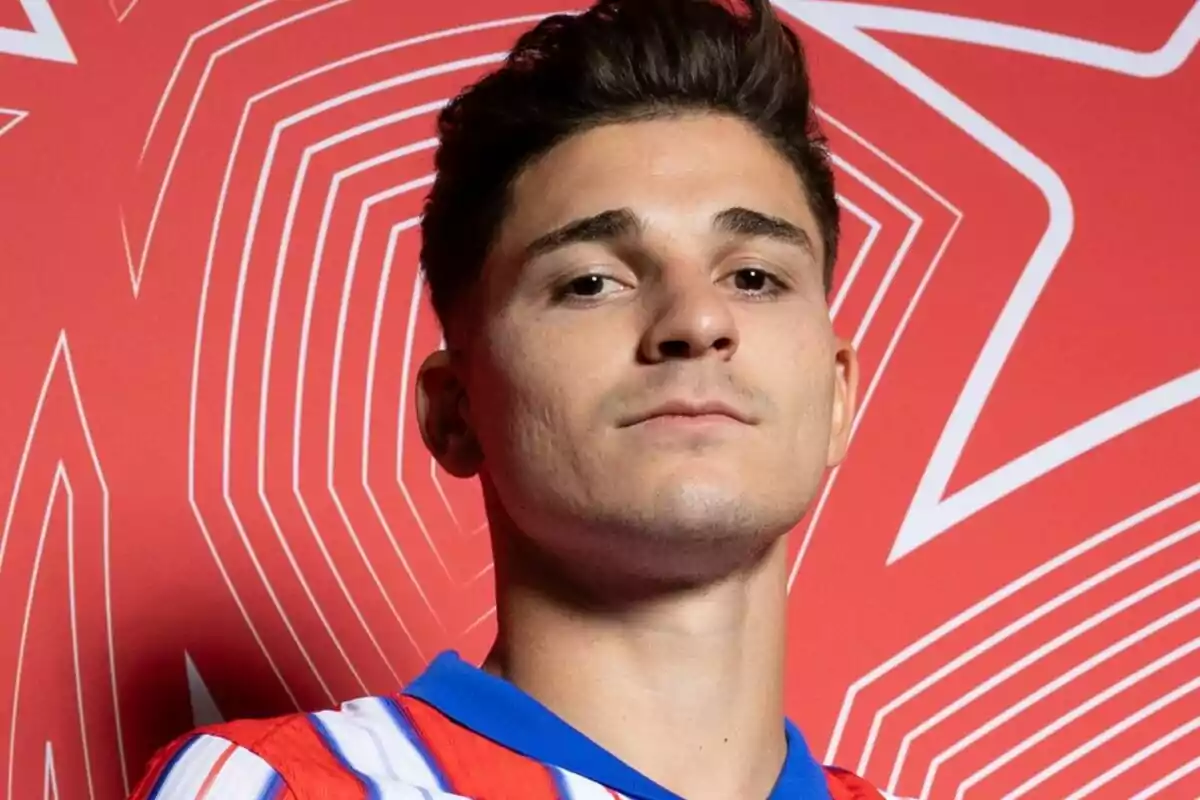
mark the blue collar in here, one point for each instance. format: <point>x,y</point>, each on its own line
<point>498,710</point>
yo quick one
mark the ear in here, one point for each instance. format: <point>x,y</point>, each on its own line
<point>443,416</point>
<point>845,401</point>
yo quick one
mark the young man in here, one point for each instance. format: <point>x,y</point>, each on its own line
<point>629,246</point>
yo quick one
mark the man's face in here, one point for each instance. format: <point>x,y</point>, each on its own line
<point>654,384</point>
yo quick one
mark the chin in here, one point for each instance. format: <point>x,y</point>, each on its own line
<point>676,528</point>
<point>707,508</point>
<point>698,531</point>
<point>724,501</point>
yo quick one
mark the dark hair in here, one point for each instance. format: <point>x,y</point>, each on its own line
<point>620,60</point>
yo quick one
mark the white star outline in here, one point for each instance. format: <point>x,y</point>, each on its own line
<point>931,512</point>
<point>46,41</point>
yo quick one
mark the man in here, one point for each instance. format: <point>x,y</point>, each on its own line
<point>629,246</point>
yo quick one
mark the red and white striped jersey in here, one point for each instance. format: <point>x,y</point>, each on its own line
<point>456,732</point>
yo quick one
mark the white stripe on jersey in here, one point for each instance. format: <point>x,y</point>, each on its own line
<point>242,772</point>
<point>366,735</point>
<point>242,776</point>
<point>406,757</point>
<point>581,788</point>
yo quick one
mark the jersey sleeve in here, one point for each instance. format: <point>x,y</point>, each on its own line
<point>203,767</point>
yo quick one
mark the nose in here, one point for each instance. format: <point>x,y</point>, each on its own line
<point>692,320</point>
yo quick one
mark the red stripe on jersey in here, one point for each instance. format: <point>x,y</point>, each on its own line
<point>473,765</point>
<point>206,787</point>
<point>297,752</point>
<point>844,785</point>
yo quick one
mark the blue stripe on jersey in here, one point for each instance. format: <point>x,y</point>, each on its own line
<point>410,733</point>
<point>273,789</point>
<point>372,788</point>
<point>170,765</point>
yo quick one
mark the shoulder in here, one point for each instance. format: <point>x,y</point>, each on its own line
<point>204,764</point>
<point>281,758</point>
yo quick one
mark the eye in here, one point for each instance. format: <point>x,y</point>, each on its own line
<point>587,287</point>
<point>756,282</point>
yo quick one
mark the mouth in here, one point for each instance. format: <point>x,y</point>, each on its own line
<point>687,412</point>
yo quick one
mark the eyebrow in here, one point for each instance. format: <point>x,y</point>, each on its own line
<point>755,224</point>
<point>616,223</point>
<point>619,223</point>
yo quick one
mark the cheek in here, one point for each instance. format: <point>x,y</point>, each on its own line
<point>801,385</point>
<point>792,353</point>
<point>528,406</point>
<point>538,422</point>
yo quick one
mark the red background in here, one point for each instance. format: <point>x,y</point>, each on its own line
<point>209,315</point>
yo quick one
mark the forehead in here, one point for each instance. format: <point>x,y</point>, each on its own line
<point>672,171</point>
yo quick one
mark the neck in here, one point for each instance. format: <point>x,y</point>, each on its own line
<point>686,687</point>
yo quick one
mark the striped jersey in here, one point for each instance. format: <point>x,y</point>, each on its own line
<point>455,732</point>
